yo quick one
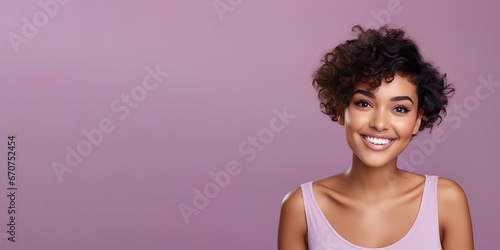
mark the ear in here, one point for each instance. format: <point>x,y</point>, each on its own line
<point>341,119</point>
<point>418,121</point>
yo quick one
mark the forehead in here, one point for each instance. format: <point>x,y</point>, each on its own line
<point>399,86</point>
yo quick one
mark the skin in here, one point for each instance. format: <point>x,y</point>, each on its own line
<point>373,203</point>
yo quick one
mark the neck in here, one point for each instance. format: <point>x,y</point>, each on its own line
<point>372,183</point>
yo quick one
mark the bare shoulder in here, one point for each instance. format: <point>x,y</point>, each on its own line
<point>451,200</point>
<point>454,216</point>
<point>293,201</point>
<point>292,209</point>
<point>292,229</point>
<point>450,193</point>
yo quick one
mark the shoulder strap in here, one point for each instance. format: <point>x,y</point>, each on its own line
<point>314,220</point>
<point>427,227</point>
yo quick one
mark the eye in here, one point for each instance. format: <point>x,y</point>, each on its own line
<point>362,104</point>
<point>401,109</point>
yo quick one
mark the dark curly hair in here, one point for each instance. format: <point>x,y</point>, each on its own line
<point>374,55</point>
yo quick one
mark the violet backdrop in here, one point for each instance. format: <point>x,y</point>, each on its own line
<point>124,112</point>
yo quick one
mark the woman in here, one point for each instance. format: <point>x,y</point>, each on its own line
<point>382,92</point>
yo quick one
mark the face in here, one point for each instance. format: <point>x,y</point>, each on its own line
<point>379,124</point>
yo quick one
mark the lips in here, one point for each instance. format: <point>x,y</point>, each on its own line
<point>379,142</point>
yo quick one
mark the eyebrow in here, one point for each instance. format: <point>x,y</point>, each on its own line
<point>371,95</point>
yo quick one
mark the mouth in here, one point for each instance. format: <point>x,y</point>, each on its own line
<point>377,143</point>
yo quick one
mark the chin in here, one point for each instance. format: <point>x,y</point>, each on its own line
<point>376,162</point>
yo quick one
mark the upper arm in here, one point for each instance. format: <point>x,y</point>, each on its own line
<point>454,216</point>
<point>292,229</point>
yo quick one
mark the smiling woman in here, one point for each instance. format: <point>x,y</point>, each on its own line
<point>379,125</point>
<point>383,93</point>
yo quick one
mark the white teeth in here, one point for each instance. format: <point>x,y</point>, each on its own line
<point>376,140</point>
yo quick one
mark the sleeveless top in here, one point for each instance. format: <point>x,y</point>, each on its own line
<point>424,233</point>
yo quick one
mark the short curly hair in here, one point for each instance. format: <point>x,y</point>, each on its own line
<point>374,55</point>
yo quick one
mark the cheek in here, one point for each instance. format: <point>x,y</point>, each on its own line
<point>404,127</point>
<point>355,118</point>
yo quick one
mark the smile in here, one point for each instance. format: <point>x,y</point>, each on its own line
<point>377,144</point>
<point>376,141</point>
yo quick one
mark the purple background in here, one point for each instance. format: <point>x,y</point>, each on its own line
<point>227,74</point>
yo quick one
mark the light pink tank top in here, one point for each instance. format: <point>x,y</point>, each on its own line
<point>424,234</point>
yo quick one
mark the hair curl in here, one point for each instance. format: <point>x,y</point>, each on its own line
<point>374,55</point>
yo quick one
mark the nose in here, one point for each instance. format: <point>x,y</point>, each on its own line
<point>379,120</point>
